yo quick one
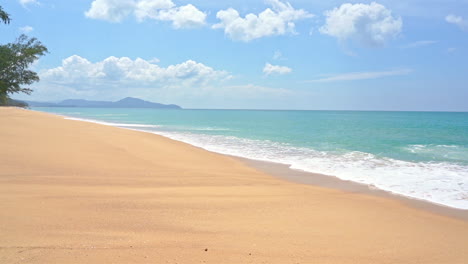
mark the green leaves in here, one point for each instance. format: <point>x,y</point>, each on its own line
<point>4,16</point>
<point>15,59</point>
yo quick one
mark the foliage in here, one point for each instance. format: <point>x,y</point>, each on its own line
<point>15,59</point>
<point>12,102</point>
<point>4,16</point>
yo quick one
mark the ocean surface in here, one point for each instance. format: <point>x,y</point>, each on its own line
<point>423,155</point>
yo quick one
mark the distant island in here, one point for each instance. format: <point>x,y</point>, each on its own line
<point>128,102</point>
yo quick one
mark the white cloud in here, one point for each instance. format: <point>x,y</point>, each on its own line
<point>150,8</point>
<point>114,78</point>
<point>418,44</point>
<point>26,29</point>
<point>276,69</point>
<point>80,73</point>
<point>186,16</point>
<point>457,20</point>
<point>110,10</point>
<point>353,76</point>
<point>24,3</point>
<point>154,60</point>
<point>277,20</point>
<point>370,25</point>
<point>190,83</point>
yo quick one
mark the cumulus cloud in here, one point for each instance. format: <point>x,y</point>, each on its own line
<point>110,10</point>
<point>190,83</point>
<point>277,20</point>
<point>118,77</point>
<point>370,25</point>
<point>150,8</point>
<point>154,60</point>
<point>354,76</point>
<point>276,69</point>
<point>186,16</point>
<point>26,29</point>
<point>457,20</point>
<point>79,72</point>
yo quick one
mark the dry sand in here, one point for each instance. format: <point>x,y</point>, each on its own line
<point>76,192</point>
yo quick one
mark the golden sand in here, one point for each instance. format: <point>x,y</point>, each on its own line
<point>76,192</point>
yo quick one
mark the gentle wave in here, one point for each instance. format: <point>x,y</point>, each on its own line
<point>441,183</point>
<point>178,128</point>
<point>107,115</point>
<point>451,152</point>
<point>438,182</point>
<point>112,124</point>
<point>192,128</point>
<point>209,129</point>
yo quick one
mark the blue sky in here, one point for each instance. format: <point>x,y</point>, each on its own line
<point>344,55</point>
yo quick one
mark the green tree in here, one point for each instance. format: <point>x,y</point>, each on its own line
<point>15,59</point>
<point>4,16</point>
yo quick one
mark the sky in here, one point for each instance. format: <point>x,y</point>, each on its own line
<point>250,54</point>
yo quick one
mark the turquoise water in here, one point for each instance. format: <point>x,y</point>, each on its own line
<point>417,154</point>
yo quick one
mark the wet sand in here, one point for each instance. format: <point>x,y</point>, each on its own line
<point>283,171</point>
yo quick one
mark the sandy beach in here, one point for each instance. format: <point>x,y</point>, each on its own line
<point>77,192</point>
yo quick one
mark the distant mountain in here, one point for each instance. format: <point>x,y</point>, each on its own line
<point>128,102</point>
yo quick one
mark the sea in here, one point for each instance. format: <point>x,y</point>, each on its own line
<point>421,155</point>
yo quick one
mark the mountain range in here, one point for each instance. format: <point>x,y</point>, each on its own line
<point>128,102</point>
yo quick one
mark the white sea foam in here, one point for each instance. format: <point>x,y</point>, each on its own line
<point>113,124</point>
<point>442,182</point>
<point>191,128</point>
<point>451,152</point>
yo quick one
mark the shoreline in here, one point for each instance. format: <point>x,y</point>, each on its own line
<point>283,171</point>
<point>78,192</point>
